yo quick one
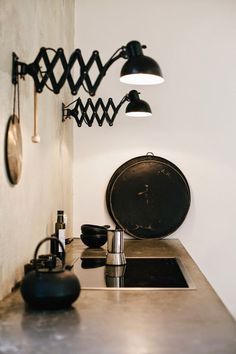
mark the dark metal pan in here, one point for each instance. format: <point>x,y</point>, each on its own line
<point>13,149</point>
<point>148,197</point>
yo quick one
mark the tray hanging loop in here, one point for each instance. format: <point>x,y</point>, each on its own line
<point>150,153</point>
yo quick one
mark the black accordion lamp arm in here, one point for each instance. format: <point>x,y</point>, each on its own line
<point>41,78</point>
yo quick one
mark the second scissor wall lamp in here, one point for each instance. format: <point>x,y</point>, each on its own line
<point>89,112</point>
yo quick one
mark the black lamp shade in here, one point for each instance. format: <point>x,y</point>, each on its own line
<point>141,70</point>
<point>137,107</point>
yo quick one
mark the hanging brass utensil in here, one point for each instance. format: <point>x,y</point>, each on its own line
<point>13,142</point>
<point>14,149</point>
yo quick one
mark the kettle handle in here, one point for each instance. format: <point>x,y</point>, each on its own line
<point>49,239</point>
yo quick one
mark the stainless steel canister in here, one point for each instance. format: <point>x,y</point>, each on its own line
<point>115,247</point>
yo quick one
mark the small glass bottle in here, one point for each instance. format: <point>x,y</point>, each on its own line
<point>60,234</point>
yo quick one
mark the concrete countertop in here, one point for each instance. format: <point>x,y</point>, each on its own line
<point>190,321</point>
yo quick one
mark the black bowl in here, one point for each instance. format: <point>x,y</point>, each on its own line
<point>89,229</point>
<point>94,241</point>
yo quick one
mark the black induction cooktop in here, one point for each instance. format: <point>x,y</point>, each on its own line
<point>138,273</point>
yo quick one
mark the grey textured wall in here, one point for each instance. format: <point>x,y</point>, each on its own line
<point>28,209</point>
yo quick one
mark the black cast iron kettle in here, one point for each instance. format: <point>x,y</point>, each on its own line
<point>50,288</point>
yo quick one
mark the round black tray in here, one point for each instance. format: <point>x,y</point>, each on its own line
<point>148,197</point>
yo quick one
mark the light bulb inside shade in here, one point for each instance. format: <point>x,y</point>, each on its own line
<point>138,114</point>
<point>141,79</point>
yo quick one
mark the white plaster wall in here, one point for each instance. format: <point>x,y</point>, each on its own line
<point>28,209</point>
<point>193,122</point>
